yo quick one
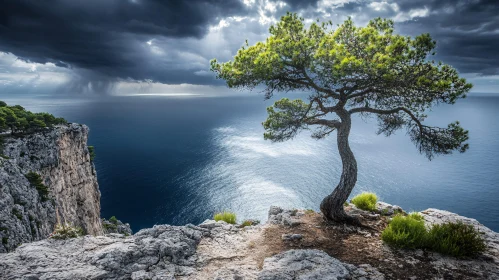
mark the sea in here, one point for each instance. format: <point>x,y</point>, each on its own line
<point>178,159</point>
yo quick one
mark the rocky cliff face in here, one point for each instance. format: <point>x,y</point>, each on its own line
<point>61,157</point>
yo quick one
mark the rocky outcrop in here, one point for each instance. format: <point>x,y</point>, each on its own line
<point>217,250</point>
<point>116,226</point>
<point>60,156</point>
<point>169,252</point>
<point>161,252</point>
<point>313,264</point>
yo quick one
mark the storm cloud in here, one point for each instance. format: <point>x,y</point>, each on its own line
<point>97,43</point>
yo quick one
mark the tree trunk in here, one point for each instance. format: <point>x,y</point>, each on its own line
<point>332,205</point>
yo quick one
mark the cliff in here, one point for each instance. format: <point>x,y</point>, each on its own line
<point>60,156</point>
<point>293,244</point>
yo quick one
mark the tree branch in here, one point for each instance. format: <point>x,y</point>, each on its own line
<point>387,112</point>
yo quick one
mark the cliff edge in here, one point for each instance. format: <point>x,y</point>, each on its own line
<point>293,244</point>
<point>61,158</point>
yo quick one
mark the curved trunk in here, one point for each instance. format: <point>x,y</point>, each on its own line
<point>332,205</point>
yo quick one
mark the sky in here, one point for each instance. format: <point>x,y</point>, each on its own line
<point>97,47</point>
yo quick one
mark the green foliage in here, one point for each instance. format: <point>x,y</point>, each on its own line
<point>225,216</point>
<point>91,151</point>
<point>5,240</point>
<point>36,181</point>
<point>247,223</point>
<point>22,154</point>
<point>365,201</point>
<point>66,231</point>
<point>456,239</point>
<point>406,232</point>
<point>113,220</point>
<point>110,227</point>
<point>347,70</point>
<point>19,120</point>
<point>17,214</point>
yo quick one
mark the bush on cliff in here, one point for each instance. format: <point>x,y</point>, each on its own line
<point>225,216</point>
<point>365,201</point>
<point>91,151</point>
<point>454,239</point>
<point>36,181</point>
<point>65,231</point>
<point>406,232</point>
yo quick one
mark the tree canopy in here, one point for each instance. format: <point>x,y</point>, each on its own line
<point>349,70</point>
<point>366,70</point>
<point>19,120</point>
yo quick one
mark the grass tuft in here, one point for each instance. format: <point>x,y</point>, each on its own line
<point>66,231</point>
<point>248,223</point>
<point>365,201</point>
<point>225,216</point>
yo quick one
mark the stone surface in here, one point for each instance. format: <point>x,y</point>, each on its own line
<point>303,265</point>
<point>60,156</point>
<point>285,217</point>
<point>161,252</point>
<point>386,209</point>
<point>116,227</point>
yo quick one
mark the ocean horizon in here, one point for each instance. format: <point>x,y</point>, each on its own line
<point>177,159</point>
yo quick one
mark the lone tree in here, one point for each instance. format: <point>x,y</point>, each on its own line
<point>347,71</point>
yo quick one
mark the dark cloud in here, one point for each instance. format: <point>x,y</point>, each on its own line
<point>467,32</point>
<point>103,41</point>
<point>104,36</point>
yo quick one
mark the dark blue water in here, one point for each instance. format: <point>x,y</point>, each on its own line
<point>178,160</point>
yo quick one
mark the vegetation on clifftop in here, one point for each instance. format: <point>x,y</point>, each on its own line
<point>225,216</point>
<point>17,119</point>
<point>455,239</point>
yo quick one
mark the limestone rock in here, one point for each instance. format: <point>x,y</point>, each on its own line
<point>110,226</point>
<point>284,217</point>
<point>303,264</point>
<point>161,252</point>
<point>386,209</point>
<point>60,156</point>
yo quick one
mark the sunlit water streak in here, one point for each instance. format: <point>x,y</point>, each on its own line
<point>164,159</point>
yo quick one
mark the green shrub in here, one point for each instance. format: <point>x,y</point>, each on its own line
<point>225,216</point>
<point>91,151</point>
<point>17,214</point>
<point>36,181</point>
<point>113,220</point>
<point>110,227</point>
<point>406,232</point>
<point>5,240</point>
<point>456,239</point>
<point>65,231</point>
<point>365,201</point>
